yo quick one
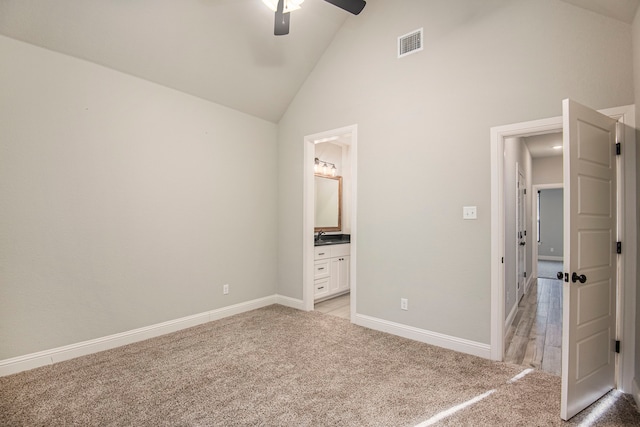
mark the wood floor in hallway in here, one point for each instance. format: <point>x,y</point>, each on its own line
<point>535,336</point>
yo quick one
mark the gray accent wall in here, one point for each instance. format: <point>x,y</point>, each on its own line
<point>424,143</point>
<point>551,224</point>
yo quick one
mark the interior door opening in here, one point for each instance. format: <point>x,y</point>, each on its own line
<point>533,327</point>
<point>625,193</point>
<point>329,222</point>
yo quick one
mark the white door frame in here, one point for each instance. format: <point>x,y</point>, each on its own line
<point>521,207</point>
<point>626,224</point>
<point>308,212</point>
<point>534,212</point>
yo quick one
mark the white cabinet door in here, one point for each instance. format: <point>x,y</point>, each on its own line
<point>335,275</point>
<point>343,274</point>
<point>339,274</point>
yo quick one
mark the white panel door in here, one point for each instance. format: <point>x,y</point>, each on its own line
<point>589,291</point>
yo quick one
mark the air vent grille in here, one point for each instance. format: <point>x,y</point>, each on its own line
<point>410,43</point>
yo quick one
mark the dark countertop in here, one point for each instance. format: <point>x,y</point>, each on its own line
<point>332,239</point>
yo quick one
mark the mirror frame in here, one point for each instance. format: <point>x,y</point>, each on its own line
<point>339,227</point>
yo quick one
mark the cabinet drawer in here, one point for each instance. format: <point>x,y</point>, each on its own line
<point>321,269</point>
<point>322,252</point>
<point>321,287</point>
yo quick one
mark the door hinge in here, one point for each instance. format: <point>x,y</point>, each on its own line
<point>525,274</point>
<point>525,232</point>
<point>618,247</point>
<point>618,346</point>
<point>618,148</point>
<point>525,191</point>
<point>503,260</point>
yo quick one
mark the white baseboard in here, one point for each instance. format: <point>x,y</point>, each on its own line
<point>528,283</point>
<point>59,354</point>
<point>427,337</point>
<point>510,317</point>
<point>298,304</point>
<point>636,392</point>
<point>49,357</point>
<point>550,258</point>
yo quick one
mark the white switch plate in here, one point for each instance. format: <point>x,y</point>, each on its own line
<point>470,212</point>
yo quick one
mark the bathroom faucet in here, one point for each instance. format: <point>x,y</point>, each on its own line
<point>320,233</point>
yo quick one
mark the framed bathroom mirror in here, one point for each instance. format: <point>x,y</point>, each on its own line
<point>328,203</point>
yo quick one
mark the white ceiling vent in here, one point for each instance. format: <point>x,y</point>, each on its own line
<point>410,43</point>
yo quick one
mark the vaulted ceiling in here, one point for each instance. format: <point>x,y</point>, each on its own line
<point>220,50</point>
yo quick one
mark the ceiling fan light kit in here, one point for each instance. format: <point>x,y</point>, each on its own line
<point>288,5</point>
<point>282,8</point>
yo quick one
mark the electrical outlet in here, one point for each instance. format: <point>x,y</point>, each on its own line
<point>225,288</point>
<point>404,304</point>
<point>469,212</point>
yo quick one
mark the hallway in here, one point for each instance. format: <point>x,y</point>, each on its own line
<point>535,336</point>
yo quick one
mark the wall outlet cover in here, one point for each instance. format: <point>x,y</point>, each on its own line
<point>470,212</point>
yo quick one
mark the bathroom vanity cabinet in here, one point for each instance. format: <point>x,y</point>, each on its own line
<point>331,270</point>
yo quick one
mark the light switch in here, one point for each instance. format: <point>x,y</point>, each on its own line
<point>470,212</point>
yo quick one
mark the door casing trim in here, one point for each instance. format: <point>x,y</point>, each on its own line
<point>308,213</point>
<point>626,225</point>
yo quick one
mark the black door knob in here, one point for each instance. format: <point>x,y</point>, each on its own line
<point>578,278</point>
<point>560,275</point>
<point>523,243</point>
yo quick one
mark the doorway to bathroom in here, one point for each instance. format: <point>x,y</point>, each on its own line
<point>329,249</point>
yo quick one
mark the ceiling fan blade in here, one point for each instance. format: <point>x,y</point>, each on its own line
<point>281,25</point>
<point>353,6</point>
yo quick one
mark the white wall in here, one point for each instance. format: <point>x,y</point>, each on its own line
<point>425,119</point>
<point>123,203</point>
<point>547,170</point>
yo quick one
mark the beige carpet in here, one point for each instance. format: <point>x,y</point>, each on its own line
<point>281,367</point>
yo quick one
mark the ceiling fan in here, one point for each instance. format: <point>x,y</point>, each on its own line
<point>284,7</point>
